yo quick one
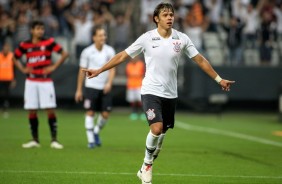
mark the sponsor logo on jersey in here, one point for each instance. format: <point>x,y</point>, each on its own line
<point>156,38</point>
<point>155,46</point>
<point>36,59</point>
<point>177,47</point>
<point>175,37</point>
<point>150,114</point>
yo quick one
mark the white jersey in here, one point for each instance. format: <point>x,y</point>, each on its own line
<point>161,57</point>
<point>95,59</point>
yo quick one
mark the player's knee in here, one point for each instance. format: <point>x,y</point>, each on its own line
<point>105,115</point>
<point>90,113</point>
<point>156,129</point>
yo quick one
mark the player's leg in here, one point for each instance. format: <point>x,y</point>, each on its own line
<point>31,103</point>
<point>101,122</point>
<point>90,105</point>
<point>52,121</point>
<point>153,108</point>
<point>47,101</point>
<point>89,126</point>
<point>106,107</point>
<point>131,101</point>
<point>168,113</point>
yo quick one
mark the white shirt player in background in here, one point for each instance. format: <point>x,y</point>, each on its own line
<point>162,48</point>
<point>97,97</point>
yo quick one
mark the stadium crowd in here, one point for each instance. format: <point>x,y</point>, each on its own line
<point>228,32</point>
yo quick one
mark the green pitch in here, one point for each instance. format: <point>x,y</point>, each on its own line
<point>201,149</point>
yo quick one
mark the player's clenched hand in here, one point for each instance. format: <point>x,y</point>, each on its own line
<point>107,88</point>
<point>225,84</point>
<point>90,73</point>
<point>78,96</point>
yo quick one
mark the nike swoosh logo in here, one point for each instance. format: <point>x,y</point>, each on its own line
<point>155,46</point>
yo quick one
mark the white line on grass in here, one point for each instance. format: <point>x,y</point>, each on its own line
<point>227,133</point>
<point>124,173</point>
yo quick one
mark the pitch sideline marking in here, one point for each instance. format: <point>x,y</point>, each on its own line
<point>124,173</point>
<point>186,126</point>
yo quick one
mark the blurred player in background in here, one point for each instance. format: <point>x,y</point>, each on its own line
<point>162,48</point>
<point>97,97</point>
<point>7,78</point>
<point>39,88</point>
<point>135,70</point>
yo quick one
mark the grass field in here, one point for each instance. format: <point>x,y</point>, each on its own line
<point>201,149</point>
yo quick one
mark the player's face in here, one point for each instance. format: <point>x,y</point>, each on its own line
<point>165,19</point>
<point>100,37</point>
<point>37,31</point>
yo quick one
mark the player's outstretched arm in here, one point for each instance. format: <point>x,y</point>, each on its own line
<point>116,60</point>
<point>206,67</point>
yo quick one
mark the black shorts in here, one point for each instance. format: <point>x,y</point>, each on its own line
<point>5,89</point>
<point>159,109</point>
<point>96,100</point>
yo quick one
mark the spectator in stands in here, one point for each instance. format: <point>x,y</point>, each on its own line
<point>7,27</point>
<point>21,29</point>
<point>50,21</point>
<point>234,41</point>
<point>195,25</point>
<point>120,25</point>
<point>266,32</point>
<point>82,31</point>
<point>214,8</point>
<point>251,21</point>
<point>278,13</point>
<point>59,8</point>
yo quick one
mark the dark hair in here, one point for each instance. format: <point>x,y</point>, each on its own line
<point>95,29</point>
<point>160,7</point>
<point>36,23</point>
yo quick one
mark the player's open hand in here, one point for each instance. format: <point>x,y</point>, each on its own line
<point>225,84</point>
<point>90,73</point>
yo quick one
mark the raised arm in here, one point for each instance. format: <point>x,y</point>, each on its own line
<point>116,60</point>
<point>206,67</point>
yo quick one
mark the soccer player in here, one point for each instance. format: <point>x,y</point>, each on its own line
<point>39,90</point>
<point>97,97</point>
<point>162,48</point>
<point>135,70</point>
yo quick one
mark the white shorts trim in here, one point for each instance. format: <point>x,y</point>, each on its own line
<point>39,95</point>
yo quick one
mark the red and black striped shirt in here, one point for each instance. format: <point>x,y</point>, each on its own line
<point>38,56</point>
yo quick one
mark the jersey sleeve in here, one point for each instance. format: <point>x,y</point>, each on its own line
<point>189,49</point>
<point>56,47</point>
<point>83,61</point>
<point>137,47</point>
<point>19,51</point>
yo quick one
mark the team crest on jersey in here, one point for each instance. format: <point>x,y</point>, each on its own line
<point>177,47</point>
<point>42,48</point>
<point>150,114</point>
